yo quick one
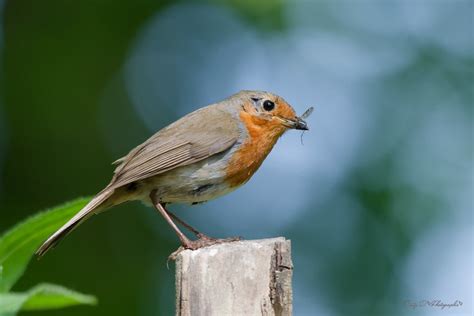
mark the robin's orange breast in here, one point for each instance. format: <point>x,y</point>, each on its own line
<point>262,136</point>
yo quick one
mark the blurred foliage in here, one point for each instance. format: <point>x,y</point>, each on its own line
<point>42,297</point>
<point>266,14</point>
<point>17,246</point>
<point>19,243</point>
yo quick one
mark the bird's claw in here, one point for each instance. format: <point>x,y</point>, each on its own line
<point>202,242</point>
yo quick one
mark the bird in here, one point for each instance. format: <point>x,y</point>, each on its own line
<point>201,156</point>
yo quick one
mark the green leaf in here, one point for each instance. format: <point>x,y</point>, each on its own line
<point>18,245</point>
<point>41,297</point>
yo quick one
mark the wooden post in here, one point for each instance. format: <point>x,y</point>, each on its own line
<point>250,277</point>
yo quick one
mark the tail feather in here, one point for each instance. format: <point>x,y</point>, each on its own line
<point>94,206</point>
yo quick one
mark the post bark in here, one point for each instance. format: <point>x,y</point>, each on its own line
<point>250,277</point>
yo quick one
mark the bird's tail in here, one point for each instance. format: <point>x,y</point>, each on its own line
<point>94,206</point>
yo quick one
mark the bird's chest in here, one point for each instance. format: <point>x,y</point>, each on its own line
<point>248,158</point>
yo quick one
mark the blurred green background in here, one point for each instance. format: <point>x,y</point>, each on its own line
<point>377,202</point>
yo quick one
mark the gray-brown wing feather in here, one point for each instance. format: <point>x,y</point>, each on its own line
<point>182,143</point>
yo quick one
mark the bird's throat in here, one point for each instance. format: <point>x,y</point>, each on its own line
<point>263,134</point>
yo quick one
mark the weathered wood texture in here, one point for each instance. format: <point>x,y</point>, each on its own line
<point>250,277</point>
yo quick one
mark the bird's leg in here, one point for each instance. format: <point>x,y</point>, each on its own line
<point>203,240</point>
<point>187,226</point>
<point>181,222</point>
<point>203,237</point>
<point>182,237</point>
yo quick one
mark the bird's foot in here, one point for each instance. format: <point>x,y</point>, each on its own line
<point>203,241</point>
<point>206,241</point>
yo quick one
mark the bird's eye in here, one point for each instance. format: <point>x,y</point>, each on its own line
<point>268,105</point>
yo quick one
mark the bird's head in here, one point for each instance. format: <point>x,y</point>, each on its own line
<point>270,111</point>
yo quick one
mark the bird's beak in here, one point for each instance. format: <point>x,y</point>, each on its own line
<point>297,123</point>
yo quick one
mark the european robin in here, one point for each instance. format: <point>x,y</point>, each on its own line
<point>205,154</point>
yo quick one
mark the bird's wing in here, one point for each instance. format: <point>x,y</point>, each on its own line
<point>186,141</point>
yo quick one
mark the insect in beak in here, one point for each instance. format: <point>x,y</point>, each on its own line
<point>307,113</point>
<point>299,123</point>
